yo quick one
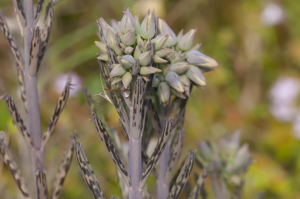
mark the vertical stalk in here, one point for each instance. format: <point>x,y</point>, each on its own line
<point>162,188</point>
<point>135,162</point>
<point>34,121</point>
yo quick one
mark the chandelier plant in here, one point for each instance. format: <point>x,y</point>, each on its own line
<point>149,73</point>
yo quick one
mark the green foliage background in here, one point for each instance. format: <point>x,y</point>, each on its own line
<point>251,57</point>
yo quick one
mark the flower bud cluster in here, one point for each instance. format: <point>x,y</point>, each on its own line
<point>231,159</point>
<point>139,50</point>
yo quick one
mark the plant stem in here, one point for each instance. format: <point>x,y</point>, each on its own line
<point>34,120</point>
<point>162,188</point>
<point>135,161</point>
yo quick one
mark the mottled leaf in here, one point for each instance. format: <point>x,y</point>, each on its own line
<point>154,117</point>
<point>135,68</point>
<point>41,184</point>
<point>111,149</point>
<point>136,114</point>
<point>57,111</point>
<point>21,81</point>
<point>38,11</point>
<point>18,121</point>
<point>197,190</point>
<point>12,42</point>
<point>160,146</point>
<point>88,173</point>
<point>46,36</point>
<point>90,100</point>
<point>34,52</point>
<point>238,190</point>
<point>63,168</point>
<point>18,7</point>
<point>13,168</point>
<point>175,152</point>
<point>182,177</point>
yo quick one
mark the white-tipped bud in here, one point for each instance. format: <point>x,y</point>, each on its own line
<point>121,36</point>
<point>199,59</point>
<point>127,22</point>
<point>159,60</point>
<point>123,46</point>
<point>160,41</point>
<point>180,34</point>
<point>128,50</point>
<point>164,93</point>
<point>115,25</point>
<point>165,29</point>
<point>127,61</point>
<point>137,52</point>
<point>147,70</point>
<point>196,47</point>
<point>101,46</point>
<point>195,74</point>
<point>164,52</point>
<point>147,29</point>
<point>179,67</point>
<point>177,94</point>
<point>116,80</point>
<point>185,43</point>
<point>117,71</point>
<point>205,151</point>
<point>126,79</point>
<point>185,80</point>
<point>145,58</point>
<point>129,38</point>
<point>174,81</point>
<point>103,57</point>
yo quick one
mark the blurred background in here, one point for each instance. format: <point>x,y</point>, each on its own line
<point>255,89</point>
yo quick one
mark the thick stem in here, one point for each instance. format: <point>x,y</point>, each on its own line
<point>34,121</point>
<point>162,188</point>
<point>135,160</point>
<point>135,168</point>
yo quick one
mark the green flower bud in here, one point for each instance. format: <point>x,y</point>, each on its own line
<point>103,29</point>
<point>101,46</point>
<point>116,80</point>
<point>123,46</point>
<point>241,160</point>
<point>103,57</point>
<point>115,25</point>
<point>160,41</point>
<point>127,61</point>
<point>117,71</point>
<point>128,50</point>
<point>179,67</point>
<point>145,58</point>
<point>155,82</point>
<point>129,38</point>
<point>147,70</point>
<point>164,52</point>
<point>164,93</point>
<point>205,151</point>
<point>199,59</point>
<point>185,80</point>
<point>112,42</point>
<point>174,81</point>
<point>186,41</point>
<point>126,79</point>
<point>177,94</point>
<point>180,34</point>
<point>196,47</point>
<point>127,22</point>
<point>137,25</point>
<point>195,74</point>
<point>159,60</point>
<point>137,52</point>
<point>121,36</point>
<point>147,29</point>
<point>165,29</point>
<point>186,90</point>
<point>139,40</point>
